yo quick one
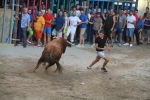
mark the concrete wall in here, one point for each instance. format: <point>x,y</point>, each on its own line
<point>7,26</point>
<point>142,4</point>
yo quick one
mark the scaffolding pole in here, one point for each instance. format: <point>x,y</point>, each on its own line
<point>12,19</point>
<point>4,22</point>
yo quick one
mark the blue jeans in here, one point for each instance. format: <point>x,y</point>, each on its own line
<point>24,36</point>
<point>129,32</point>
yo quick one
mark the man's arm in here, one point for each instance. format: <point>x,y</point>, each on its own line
<point>101,25</point>
<point>63,25</point>
<point>114,21</point>
<point>106,44</point>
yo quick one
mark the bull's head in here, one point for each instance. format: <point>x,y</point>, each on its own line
<point>66,44</point>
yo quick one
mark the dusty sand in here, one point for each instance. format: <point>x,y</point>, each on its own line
<point>128,76</point>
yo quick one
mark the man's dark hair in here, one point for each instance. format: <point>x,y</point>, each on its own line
<point>77,5</point>
<point>82,10</point>
<point>147,8</point>
<point>101,31</point>
<point>73,7</point>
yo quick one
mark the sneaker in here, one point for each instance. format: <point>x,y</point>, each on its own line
<point>78,45</point>
<point>104,69</point>
<point>119,45</point>
<point>28,41</point>
<point>131,45</point>
<point>89,68</point>
<point>39,46</point>
<point>82,46</point>
<point>93,45</point>
<point>126,44</point>
<point>141,43</point>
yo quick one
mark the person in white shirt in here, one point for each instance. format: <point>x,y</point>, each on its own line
<point>74,22</point>
<point>78,13</point>
<point>131,20</point>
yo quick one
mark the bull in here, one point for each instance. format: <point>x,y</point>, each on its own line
<point>52,53</point>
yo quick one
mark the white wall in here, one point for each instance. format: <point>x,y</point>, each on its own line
<point>142,4</point>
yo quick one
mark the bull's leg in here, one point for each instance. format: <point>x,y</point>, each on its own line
<point>59,67</point>
<point>38,64</point>
<point>47,67</point>
<point>44,64</point>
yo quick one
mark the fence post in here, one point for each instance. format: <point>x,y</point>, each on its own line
<point>4,22</point>
<point>12,19</point>
<point>58,6</point>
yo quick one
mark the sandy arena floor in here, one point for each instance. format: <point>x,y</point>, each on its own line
<point>128,76</point>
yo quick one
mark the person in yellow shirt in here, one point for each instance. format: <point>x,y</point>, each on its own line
<point>39,23</point>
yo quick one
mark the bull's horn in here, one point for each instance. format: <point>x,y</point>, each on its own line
<point>70,43</point>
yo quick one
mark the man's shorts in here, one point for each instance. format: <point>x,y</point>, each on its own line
<point>129,32</point>
<point>101,54</point>
<point>118,29</point>
<point>82,31</point>
<point>38,34</point>
<point>65,30</point>
<point>95,32</point>
<point>47,30</point>
<point>59,34</point>
<point>146,32</point>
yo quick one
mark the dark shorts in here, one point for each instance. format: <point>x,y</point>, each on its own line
<point>118,29</point>
<point>94,32</point>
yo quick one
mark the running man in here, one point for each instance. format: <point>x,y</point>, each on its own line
<point>100,43</point>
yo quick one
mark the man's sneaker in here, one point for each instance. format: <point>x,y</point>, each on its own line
<point>28,41</point>
<point>126,44</point>
<point>119,45</point>
<point>78,45</point>
<point>93,45</point>
<point>89,68</point>
<point>131,45</point>
<point>39,46</point>
<point>103,69</point>
<point>141,43</point>
<point>82,46</point>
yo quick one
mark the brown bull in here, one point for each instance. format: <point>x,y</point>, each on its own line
<point>52,53</point>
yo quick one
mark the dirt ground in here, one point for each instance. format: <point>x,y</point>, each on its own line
<point>128,76</point>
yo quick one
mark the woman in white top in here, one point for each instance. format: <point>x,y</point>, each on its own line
<point>66,25</point>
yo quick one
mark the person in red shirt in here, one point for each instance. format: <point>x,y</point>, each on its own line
<point>47,29</point>
<point>136,16</point>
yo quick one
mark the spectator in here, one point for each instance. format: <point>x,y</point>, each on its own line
<point>120,25</point>
<point>66,25</point>
<point>131,20</point>
<point>48,27</point>
<point>109,23</point>
<point>97,25</point>
<point>74,22</point>
<point>43,9</point>
<point>30,31</point>
<point>146,30</point>
<point>36,11</point>
<point>39,23</point>
<point>60,24</point>
<point>83,25</point>
<point>90,6</point>
<point>139,27</point>
<point>147,12</point>
<point>78,13</point>
<point>25,24</point>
